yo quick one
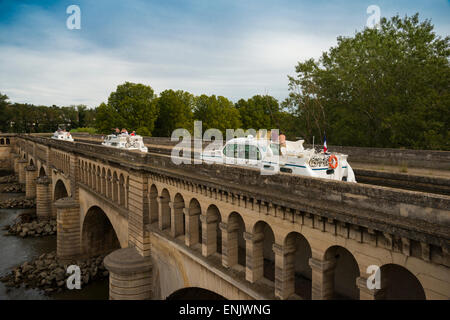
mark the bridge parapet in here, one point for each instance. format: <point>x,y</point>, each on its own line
<point>387,212</point>
<point>152,189</point>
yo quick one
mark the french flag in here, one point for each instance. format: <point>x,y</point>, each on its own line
<point>325,149</point>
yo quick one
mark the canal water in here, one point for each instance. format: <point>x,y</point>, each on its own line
<point>15,251</point>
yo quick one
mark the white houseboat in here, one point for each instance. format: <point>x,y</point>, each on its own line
<point>62,135</point>
<point>290,158</point>
<point>125,141</point>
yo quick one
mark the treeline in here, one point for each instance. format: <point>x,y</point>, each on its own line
<point>28,118</point>
<point>386,87</point>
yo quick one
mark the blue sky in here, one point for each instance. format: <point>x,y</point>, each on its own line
<point>232,48</point>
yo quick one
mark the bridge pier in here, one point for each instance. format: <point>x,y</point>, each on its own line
<point>192,236</point>
<point>322,286</point>
<point>15,163</point>
<point>43,198</point>
<point>130,275</point>
<point>254,265</point>
<point>68,241</point>
<point>164,213</point>
<point>229,244</point>
<point>284,270</point>
<point>209,234</point>
<point>176,211</point>
<point>30,177</point>
<point>22,175</point>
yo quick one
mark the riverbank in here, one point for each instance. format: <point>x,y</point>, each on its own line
<point>49,274</point>
<point>17,203</point>
<point>32,259</point>
<point>34,228</point>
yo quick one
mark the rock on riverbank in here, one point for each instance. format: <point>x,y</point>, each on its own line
<point>12,187</point>
<point>49,274</point>
<point>34,228</point>
<point>17,204</point>
<point>8,179</point>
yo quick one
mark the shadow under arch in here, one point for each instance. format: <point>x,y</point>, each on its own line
<point>236,245</point>
<point>398,283</point>
<point>344,273</point>
<point>42,172</point>
<point>60,190</point>
<point>265,254</point>
<point>195,293</point>
<point>98,234</point>
<point>299,270</point>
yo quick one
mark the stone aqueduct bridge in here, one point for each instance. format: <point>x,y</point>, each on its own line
<point>233,231</point>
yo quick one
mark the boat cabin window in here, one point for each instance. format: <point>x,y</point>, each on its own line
<point>242,151</point>
<point>275,147</point>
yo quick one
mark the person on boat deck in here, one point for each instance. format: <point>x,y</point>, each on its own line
<point>133,133</point>
<point>282,139</point>
<point>116,131</point>
<point>124,131</point>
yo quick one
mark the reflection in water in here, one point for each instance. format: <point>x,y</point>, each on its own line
<point>15,251</point>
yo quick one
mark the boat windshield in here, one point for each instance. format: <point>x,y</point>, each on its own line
<point>275,147</point>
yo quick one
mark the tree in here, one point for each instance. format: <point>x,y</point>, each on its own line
<point>259,112</point>
<point>379,88</point>
<point>132,106</point>
<point>4,113</point>
<point>216,112</point>
<point>107,118</point>
<point>175,111</point>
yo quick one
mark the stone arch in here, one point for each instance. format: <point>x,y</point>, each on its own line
<point>153,204</point>
<point>164,210</point>
<point>98,184</point>
<point>193,229</point>
<point>297,265</point>
<point>344,273</point>
<point>42,172</point>
<point>194,293</point>
<point>115,181</point>
<point>103,178</point>
<point>98,234</point>
<point>109,184</point>
<point>235,242</point>
<point>398,283</point>
<point>7,141</point>
<point>31,162</point>
<point>211,234</point>
<point>121,190</point>
<point>178,220</point>
<point>60,190</point>
<point>263,256</point>
<point>89,175</point>
<point>2,141</point>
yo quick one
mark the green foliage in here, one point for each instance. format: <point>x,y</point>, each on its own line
<point>4,113</point>
<point>175,111</point>
<point>143,131</point>
<point>133,105</point>
<point>259,112</point>
<point>85,129</point>
<point>216,112</point>
<point>380,88</point>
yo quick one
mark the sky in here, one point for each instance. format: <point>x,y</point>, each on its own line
<point>236,49</point>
